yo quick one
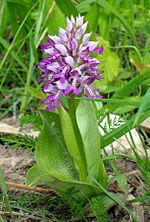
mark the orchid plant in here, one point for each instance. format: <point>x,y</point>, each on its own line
<point>67,152</point>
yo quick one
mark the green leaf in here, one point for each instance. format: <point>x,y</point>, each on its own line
<point>110,62</point>
<point>14,55</point>
<point>3,17</point>
<point>121,180</point>
<point>113,199</point>
<point>73,142</point>
<point>67,7</point>
<point>140,199</point>
<point>92,18</point>
<point>2,182</point>
<point>126,105</point>
<point>51,152</point>
<point>134,100</point>
<point>107,6</point>
<point>36,176</point>
<point>84,6</point>
<point>129,87</point>
<point>33,57</point>
<point>110,65</point>
<point>56,18</point>
<point>12,15</point>
<point>88,127</point>
<point>39,22</point>
<point>145,105</point>
<point>35,92</point>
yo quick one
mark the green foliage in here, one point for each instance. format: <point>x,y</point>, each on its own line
<point>91,141</point>
<point>76,204</point>
<point>33,119</point>
<point>123,27</point>
<point>144,106</point>
<point>54,19</point>
<point>110,62</point>
<point>92,18</point>
<point>121,130</point>
<point>56,158</point>
<point>21,36</point>
<point>51,153</point>
<point>98,206</point>
<point>129,87</point>
<point>14,141</point>
<point>73,142</point>
<point>68,8</point>
<point>43,207</point>
<point>121,181</point>
<point>5,195</point>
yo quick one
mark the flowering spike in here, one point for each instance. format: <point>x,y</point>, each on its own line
<point>69,68</point>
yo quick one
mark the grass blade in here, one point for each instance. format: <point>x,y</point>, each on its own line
<point>29,76</point>
<point>16,35</point>
<point>39,22</point>
<point>4,191</point>
<point>145,105</point>
<point>6,45</point>
<point>3,16</point>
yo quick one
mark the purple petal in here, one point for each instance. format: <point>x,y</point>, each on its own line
<point>92,45</point>
<point>69,68</point>
<point>63,35</point>
<point>61,48</point>
<point>72,19</point>
<point>81,31</point>
<point>73,44</point>
<point>85,52</point>
<point>56,103</point>
<point>70,89</point>
<point>49,51</point>
<point>99,50</point>
<point>53,66</point>
<point>69,25</point>
<point>49,108</point>
<point>69,60</point>
<point>76,91</point>
<point>79,21</point>
<point>86,38</point>
<point>62,86</point>
<point>55,39</point>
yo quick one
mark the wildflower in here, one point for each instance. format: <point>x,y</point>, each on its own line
<point>69,68</point>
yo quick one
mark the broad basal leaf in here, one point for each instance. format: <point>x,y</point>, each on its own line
<point>50,151</point>
<point>36,176</point>
<point>73,142</point>
<point>87,124</point>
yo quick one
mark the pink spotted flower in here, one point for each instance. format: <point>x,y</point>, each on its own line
<point>69,68</point>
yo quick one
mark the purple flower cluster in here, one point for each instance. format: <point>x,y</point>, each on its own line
<point>69,68</point>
